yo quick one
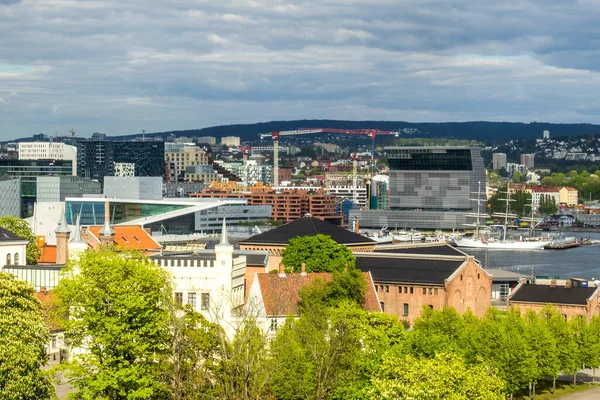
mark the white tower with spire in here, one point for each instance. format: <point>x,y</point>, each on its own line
<point>77,245</point>
<point>223,274</point>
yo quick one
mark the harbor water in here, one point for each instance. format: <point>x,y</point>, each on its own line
<point>579,262</point>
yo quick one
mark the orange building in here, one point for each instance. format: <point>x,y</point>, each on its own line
<point>287,206</point>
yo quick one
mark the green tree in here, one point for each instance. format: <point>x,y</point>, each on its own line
<point>518,177</point>
<point>543,344</point>
<point>437,331</point>
<point>316,355</point>
<point>23,339</point>
<point>446,376</point>
<point>590,350</point>
<point>565,340</point>
<point>320,253</point>
<point>547,205</point>
<point>20,228</point>
<point>119,316</point>
<point>195,350</point>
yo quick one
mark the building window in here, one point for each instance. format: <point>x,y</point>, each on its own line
<point>53,345</point>
<point>382,306</point>
<point>205,301</point>
<point>425,291</point>
<point>400,291</point>
<point>405,309</point>
<point>387,288</point>
<point>430,291</point>
<point>16,259</point>
<point>273,326</point>
<point>381,288</point>
<point>435,291</point>
<point>178,298</point>
<point>412,291</point>
<point>405,289</point>
<point>430,306</point>
<point>192,300</point>
<point>8,259</point>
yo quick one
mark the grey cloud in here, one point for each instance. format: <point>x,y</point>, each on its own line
<point>123,66</point>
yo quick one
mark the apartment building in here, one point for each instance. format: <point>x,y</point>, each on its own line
<point>498,161</point>
<point>180,156</point>
<point>287,206</point>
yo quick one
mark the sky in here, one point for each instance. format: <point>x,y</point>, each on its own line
<point>123,66</point>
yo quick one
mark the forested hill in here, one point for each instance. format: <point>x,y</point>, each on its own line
<point>478,130</point>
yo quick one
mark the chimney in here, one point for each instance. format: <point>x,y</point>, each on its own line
<point>281,270</point>
<point>553,283</point>
<point>303,269</point>
<point>62,240</point>
<point>106,233</point>
<point>568,283</point>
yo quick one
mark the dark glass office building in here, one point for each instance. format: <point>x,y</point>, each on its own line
<point>28,171</point>
<point>430,188</point>
<point>96,158</point>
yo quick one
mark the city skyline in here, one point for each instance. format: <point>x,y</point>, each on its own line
<point>118,68</point>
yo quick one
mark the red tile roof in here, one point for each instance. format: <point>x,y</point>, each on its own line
<point>130,237</point>
<point>281,295</point>
<point>48,255</point>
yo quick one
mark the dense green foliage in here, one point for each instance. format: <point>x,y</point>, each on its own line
<point>587,184</point>
<point>118,303</point>
<point>20,228</point>
<point>143,346</point>
<point>23,339</point>
<point>519,202</point>
<point>547,205</point>
<point>320,253</point>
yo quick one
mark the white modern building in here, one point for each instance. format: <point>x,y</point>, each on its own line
<point>48,151</point>
<point>498,161</point>
<point>12,249</point>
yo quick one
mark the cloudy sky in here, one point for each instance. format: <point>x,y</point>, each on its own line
<point>120,66</point>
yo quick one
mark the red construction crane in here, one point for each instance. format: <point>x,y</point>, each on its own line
<point>372,133</point>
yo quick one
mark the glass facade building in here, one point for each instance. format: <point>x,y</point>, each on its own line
<point>96,158</point>
<point>28,171</point>
<point>429,188</point>
<point>58,188</point>
<point>92,212</point>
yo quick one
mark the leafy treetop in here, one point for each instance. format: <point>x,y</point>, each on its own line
<point>320,253</point>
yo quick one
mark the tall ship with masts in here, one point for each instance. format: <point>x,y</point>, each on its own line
<point>483,240</point>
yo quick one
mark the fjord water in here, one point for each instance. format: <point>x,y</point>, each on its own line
<point>580,262</point>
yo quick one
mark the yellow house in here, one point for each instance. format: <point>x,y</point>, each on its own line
<point>569,196</point>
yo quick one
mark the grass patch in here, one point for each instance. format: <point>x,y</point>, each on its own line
<point>543,390</point>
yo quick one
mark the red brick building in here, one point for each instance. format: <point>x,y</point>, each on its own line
<point>435,276</point>
<point>571,299</point>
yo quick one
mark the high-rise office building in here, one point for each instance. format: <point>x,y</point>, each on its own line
<point>546,135</point>
<point>28,171</point>
<point>97,158</point>
<point>527,160</point>
<point>498,161</point>
<point>429,188</point>
<point>48,151</point>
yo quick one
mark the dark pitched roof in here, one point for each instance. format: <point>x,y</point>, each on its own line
<point>281,294</point>
<point>553,294</point>
<point>253,258</point>
<point>307,226</point>
<point>8,236</point>
<point>434,249</point>
<point>409,270</point>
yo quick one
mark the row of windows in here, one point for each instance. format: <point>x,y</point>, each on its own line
<point>16,259</point>
<point>407,290</point>
<point>192,300</point>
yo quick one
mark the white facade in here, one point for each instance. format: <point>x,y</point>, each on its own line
<point>537,195</point>
<point>230,141</point>
<point>48,151</point>
<point>124,169</point>
<point>211,282</point>
<point>498,161</point>
<point>12,252</point>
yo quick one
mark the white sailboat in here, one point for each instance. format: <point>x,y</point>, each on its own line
<point>478,241</point>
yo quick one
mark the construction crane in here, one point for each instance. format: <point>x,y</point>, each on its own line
<point>372,133</point>
<point>355,179</point>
